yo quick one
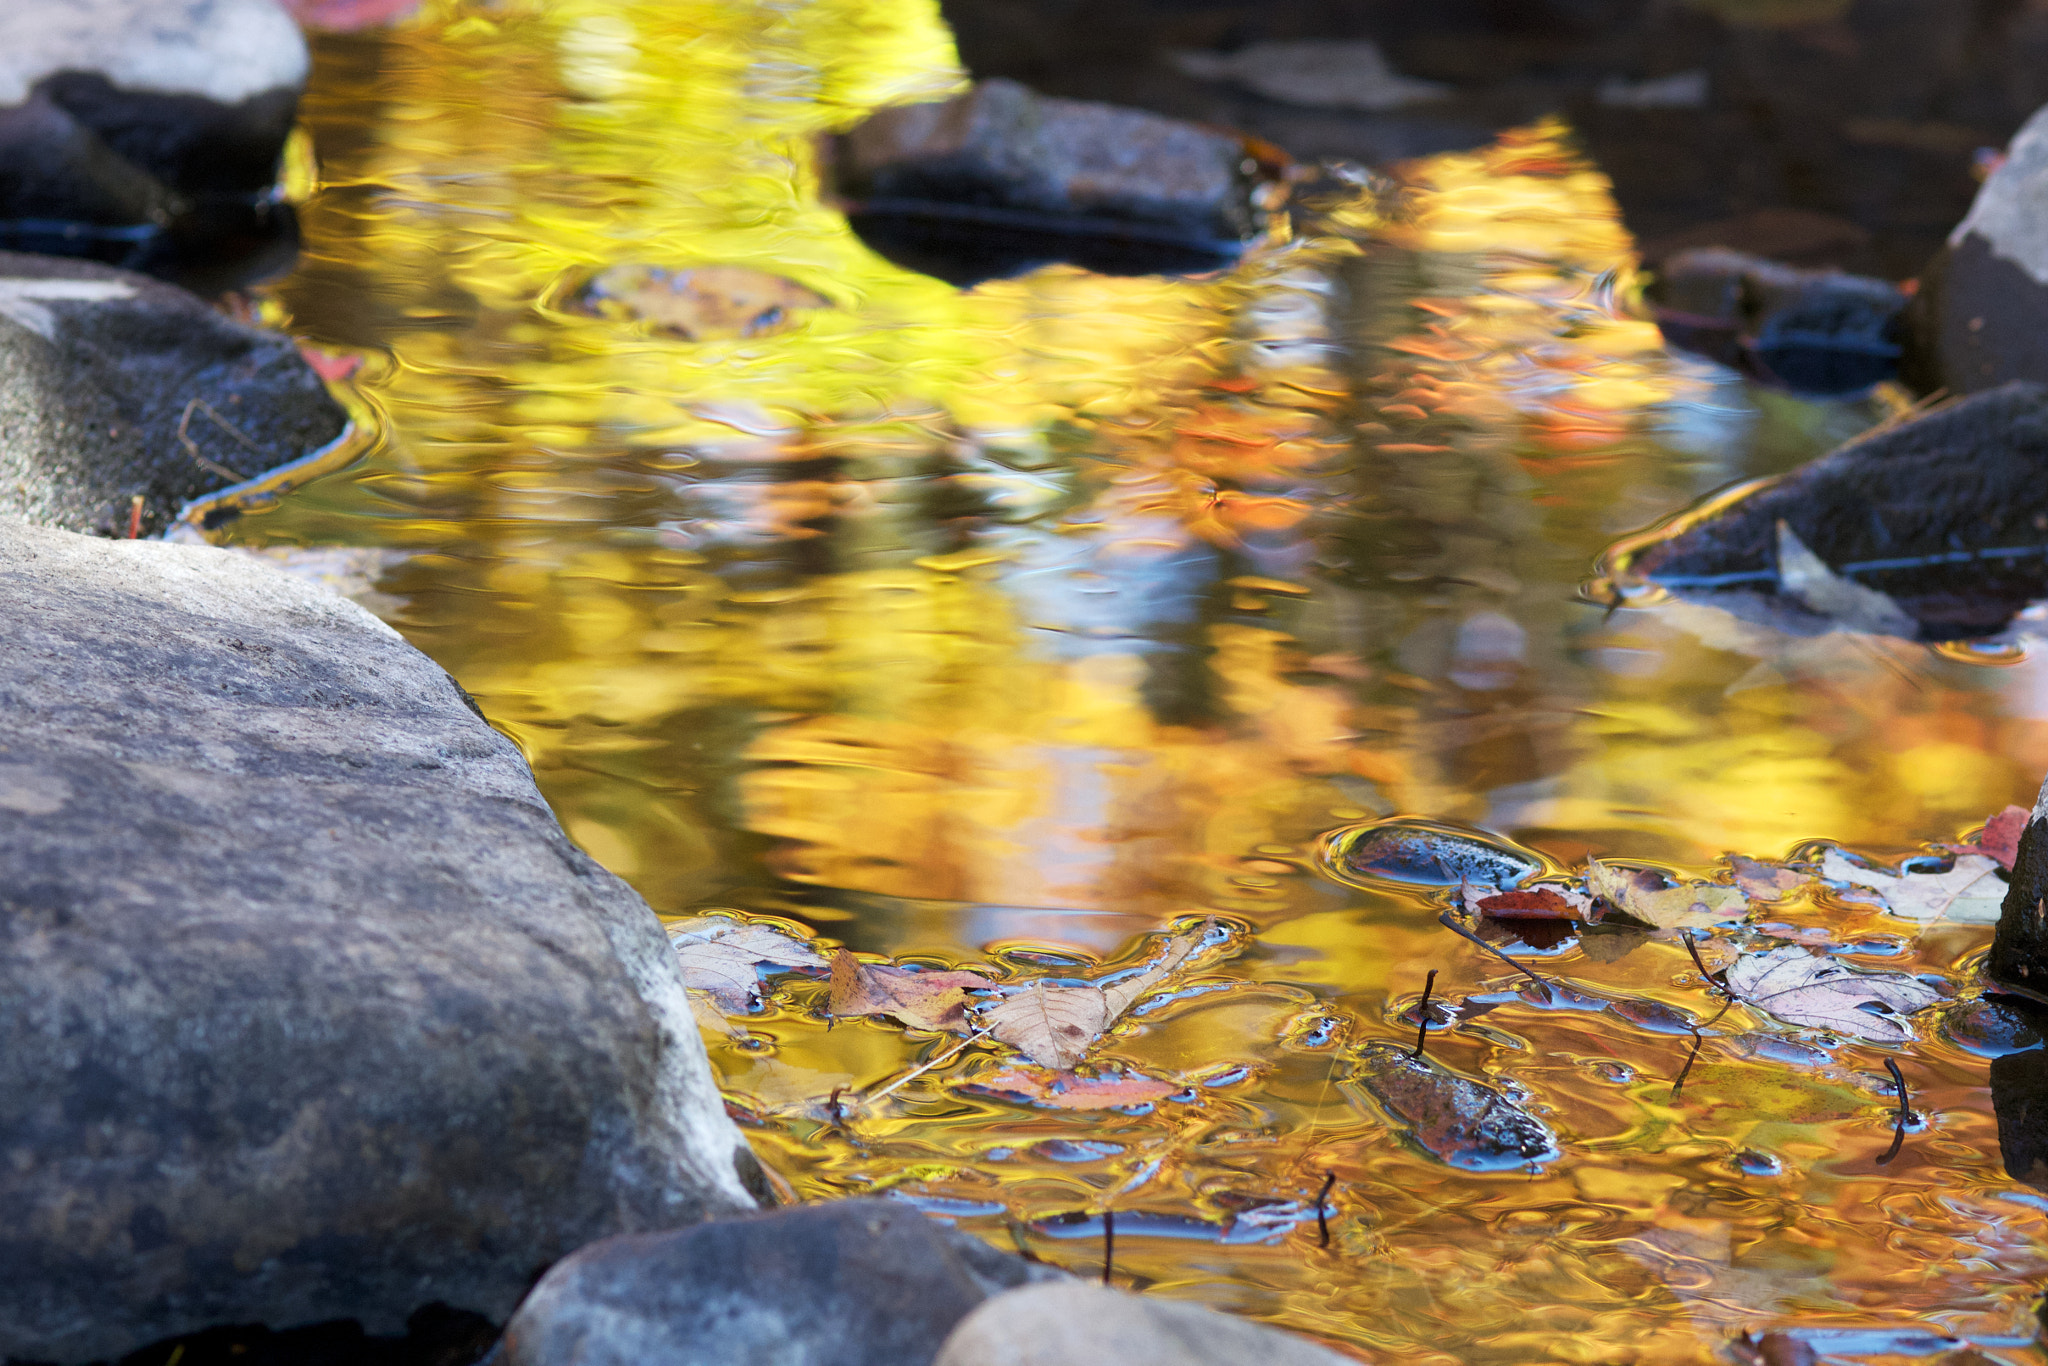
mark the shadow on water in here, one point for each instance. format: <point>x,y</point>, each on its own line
<point>1007,625</point>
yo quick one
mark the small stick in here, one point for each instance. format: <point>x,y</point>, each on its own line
<point>1108,1243</point>
<point>1422,1012</point>
<point>922,1068</point>
<point>1697,1040</point>
<point>192,447</point>
<point>1900,1120</point>
<point>134,516</point>
<point>835,1109</point>
<point>1449,921</point>
<point>1322,1209</point>
<point>1718,980</point>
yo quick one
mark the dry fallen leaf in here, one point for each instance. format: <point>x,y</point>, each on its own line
<point>1534,902</point>
<point>1065,1091</point>
<point>1644,894</point>
<point>922,1000</point>
<point>723,958</point>
<point>1801,988</point>
<point>703,304</point>
<point>1765,881</point>
<point>1970,893</point>
<point>1055,1026</point>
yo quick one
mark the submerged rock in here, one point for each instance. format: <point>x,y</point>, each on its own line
<point>1425,853</point>
<point>1452,1118</point>
<point>1811,331</point>
<point>312,1010</point>
<point>1935,529</point>
<point>2018,961</point>
<point>850,1283</point>
<point>1980,319</point>
<point>1001,180</point>
<point>1083,1325</point>
<point>147,133</point>
<point>113,386</point>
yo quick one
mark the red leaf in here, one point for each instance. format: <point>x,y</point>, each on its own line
<point>2000,838</point>
<point>1066,1091</point>
<point>1540,903</point>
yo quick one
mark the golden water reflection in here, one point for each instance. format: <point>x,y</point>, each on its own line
<point>1035,616</point>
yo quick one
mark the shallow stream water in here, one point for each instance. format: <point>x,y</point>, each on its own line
<point>1007,627</point>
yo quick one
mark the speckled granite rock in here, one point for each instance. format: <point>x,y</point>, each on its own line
<point>99,371</point>
<point>1083,1325</point>
<point>308,1008</point>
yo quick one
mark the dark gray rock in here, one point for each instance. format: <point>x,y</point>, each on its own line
<point>1980,319</point>
<point>308,1008</point>
<point>101,370</point>
<point>2018,961</point>
<point>1936,529</point>
<point>851,1283</point>
<point>147,132</point>
<point>1002,179</point>
<point>1811,331</point>
<point>1425,853</point>
<point>1084,1325</point>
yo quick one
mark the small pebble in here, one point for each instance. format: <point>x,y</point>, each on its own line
<point>1753,1163</point>
<point>1992,1026</point>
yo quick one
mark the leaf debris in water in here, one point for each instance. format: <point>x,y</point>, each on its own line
<point>1055,1026</point>
<point>723,958</point>
<point>922,1000</point>
<point>1970,893</point>
<point>1645,895</point>
<point>1802,988</point>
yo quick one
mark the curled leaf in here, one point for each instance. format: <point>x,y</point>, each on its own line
<point>922,1000</point>
<point>1648,896</point>
<point>2000,837</point>
<point>1541,901</point>
<point>1055,1026</point>
<point>1801,988</point>
<point>1459,1121</point>
<point>723,958</point>
<point>1970,893</point>
<point>1765,881</point>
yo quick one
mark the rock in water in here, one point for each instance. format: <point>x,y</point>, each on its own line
<point>1936,529</point>
<point>311,1010</point>
<point>1424,853</point>
<point>112,385</point>
<point>148,133</point>
<point>1002,179</point>
<point>851,1283</point>
<point>2019,950</point>
<point>1085,1325</point>
<point>1454,1119</point>
<point>1981,317</point>
<point>1811,331</point>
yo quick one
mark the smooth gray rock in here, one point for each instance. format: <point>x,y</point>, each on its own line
<point>1085,1325</point>
<point>99,371</point>
<point>308,1008</point>
<point>1981,317</point>
<point>133,130</point>
<point>850,1283</point>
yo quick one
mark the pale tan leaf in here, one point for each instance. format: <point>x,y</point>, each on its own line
<point>723,957</point>
<point>1765,881</point>
<point>1970,893</point>
<point>1802,988</point>
<point>1648,896</point>
<point>1055,1026</point>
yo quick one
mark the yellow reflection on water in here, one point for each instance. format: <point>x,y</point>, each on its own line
<point>956,623</point>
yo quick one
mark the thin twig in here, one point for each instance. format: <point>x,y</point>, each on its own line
<point>922,1068</point>
<point>192,447</point>
<point>1716,980</point>
<point>1900,1120</point>
<point>1323,1210</point>
<point>134,516</point>
<point>1697,1039</point>
<point>1422,1014</point>
<point>1108,1243</point>
<point>1449,921</point>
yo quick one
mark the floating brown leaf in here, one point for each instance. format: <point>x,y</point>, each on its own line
<point>723,958</point>
<point>1970,893</point>
<point>1055,1026</point>
<point>1539,902</point>
<point>1646,895</point>
<point>1066,1091</point>
<point>1805,989</point>
<point>922,1000</point>
<point>703,304</point>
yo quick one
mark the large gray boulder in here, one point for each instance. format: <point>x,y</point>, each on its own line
<point>113,386</point>
<point>850,1283</point>
<point>132,130</point>
<point>308,1008</point>
<point>1981,316</point>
